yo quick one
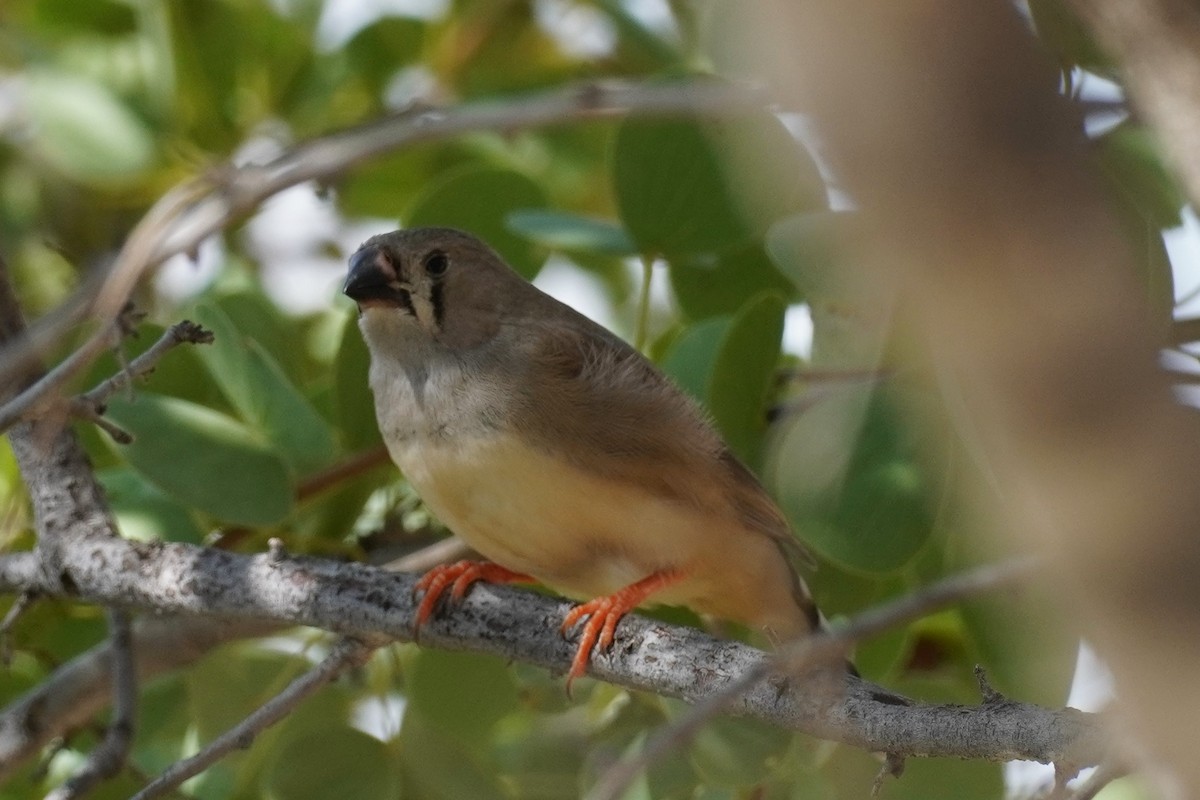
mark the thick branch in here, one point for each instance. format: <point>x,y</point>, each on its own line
<point>519,625</point>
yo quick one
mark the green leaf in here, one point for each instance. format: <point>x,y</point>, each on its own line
<point>438,766</point>
<point>85,131</point>
<point>721,284</point>
<point>734,752</point>
<point>691,186</point>
<point>1028,648</point>
<point>353,403</point>
<point>691,358</point>
<point>728,363</point>
<point>204,459</point>
<point>263,395</point>
<point>1132,158</point>
<point>559,230</point>
<point>744,374</point>
<point>478,200</point>
<point>463,694</point>
<point>335,762</point>
<point>806,249</point>
<point>1064,34</point>
<point>105,17</point>
<point>846,472</point>
<point>378,50</point>
<point>146,513</point>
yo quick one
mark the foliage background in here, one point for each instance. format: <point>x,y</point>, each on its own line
<point>105,105</point>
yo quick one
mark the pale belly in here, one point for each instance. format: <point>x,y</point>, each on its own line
<point>578,533</point>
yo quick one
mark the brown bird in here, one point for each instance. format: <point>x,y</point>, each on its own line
<point>558,451</point>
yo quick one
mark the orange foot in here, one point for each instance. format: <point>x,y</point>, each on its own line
<point>604,613</point>
<point>458,576</point>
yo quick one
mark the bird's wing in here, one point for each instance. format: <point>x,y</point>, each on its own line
<point>638,427</point>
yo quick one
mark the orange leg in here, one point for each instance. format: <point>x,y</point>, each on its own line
<point>458,577</point>
<point>604,613</point>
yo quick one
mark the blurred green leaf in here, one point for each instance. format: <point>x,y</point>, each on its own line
<point>438,766</point>
<point>86,131</point>
<point>693,186</point>
<point>1067,38</point>
<point>559,230</point>
<point>146,513</point>
<point>262,393</point>
<point>846,474</point>
<point>690,360</point>
<point>729,363</point>
<point>1132,158</point>
<point>204,459</point>
<point>103,17</point>
<point>806,249</point>
<point>377,51</point>
<point>723,283</point>
<point>735,752</point>
<point>335,762</point>
<point>744,374</point>
<point>353,402</point>
<point>1025,643</point>
<point>852,772</point>
<point>478,200</point>
<point>463,694</point>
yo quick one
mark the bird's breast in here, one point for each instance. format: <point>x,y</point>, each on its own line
<point>582,534</point>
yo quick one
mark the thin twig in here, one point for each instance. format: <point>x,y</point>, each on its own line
<point>183,332</point>
<point>802,654</point>
<point>193,211</point>
<point>110,755</point>
<point>355,465</point>
<point>27,402</point>
<point>348,653</point>
<point>442,551</point>
<point>23,601</point>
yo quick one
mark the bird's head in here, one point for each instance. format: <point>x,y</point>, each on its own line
<point>439,283</point>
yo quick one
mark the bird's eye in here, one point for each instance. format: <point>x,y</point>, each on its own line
<point>436,263</point>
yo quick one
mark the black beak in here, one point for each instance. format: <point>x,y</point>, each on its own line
<point>370,273</point>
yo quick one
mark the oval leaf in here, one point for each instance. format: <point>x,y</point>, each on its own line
<point>846,473</point>
<point>204,459</point>
<point>85,131</point>
<point>262,394</point>
<point>688,186</point>
<point>571,233</point>
<point>723,283</point>
<point>744,373</point>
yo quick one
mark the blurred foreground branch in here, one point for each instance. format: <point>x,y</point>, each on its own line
<point>984,215</point>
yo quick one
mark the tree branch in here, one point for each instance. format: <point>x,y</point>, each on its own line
<point>347,654</point>
<point>78,690</point>
<point>110,755</point>
<point>826,647</point>
<point>195,210</point>
<point>515,624</point>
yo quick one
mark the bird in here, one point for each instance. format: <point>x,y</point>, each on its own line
<point>560,453</point>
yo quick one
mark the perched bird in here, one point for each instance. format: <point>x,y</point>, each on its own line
<point>559,452</point>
